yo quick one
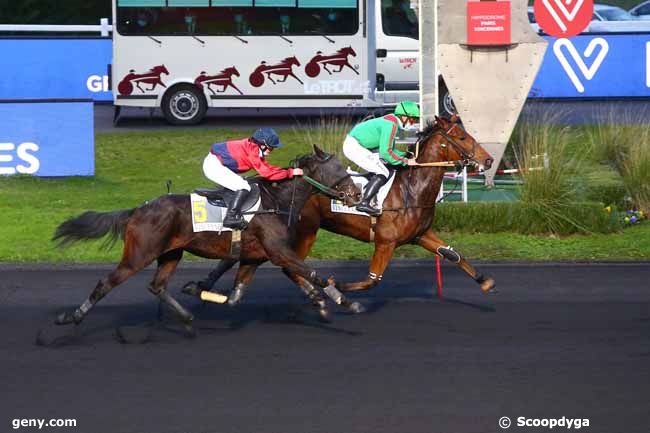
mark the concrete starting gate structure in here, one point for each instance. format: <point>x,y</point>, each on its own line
<point>488,55</point>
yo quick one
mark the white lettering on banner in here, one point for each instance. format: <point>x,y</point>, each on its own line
<point>336,87</point>
<point>97,83</point>
<point>23,152</point>
<point>587,72</point>
<point>647,64</point>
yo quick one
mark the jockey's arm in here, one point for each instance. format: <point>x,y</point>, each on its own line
<point>387,149</point>
<point>271,172</point>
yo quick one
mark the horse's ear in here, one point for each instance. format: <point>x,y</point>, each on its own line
<point>319,152</point>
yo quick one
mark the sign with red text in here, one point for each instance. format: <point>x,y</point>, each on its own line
<point>563,18</point>
<point>488,23</point>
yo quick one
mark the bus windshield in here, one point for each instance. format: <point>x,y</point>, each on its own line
<point>398,19</point>
<point>237,17</point>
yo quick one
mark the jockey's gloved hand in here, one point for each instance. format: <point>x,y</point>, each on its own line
<point>297,171</point>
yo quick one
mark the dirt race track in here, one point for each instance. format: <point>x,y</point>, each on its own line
<point>557,341</point>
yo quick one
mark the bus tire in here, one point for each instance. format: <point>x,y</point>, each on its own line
<point>184,104</point>
<point>446,105</point>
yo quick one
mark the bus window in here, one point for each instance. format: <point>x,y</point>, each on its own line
<point>237,17</point>
<point>398,19</point>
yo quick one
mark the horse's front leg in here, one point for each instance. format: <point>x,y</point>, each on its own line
<point>431,242</point>
<point>292,264</point>
<point>349,66</point>
<point>331,291</point>
<point>292,74</point>
<point>380,259</point>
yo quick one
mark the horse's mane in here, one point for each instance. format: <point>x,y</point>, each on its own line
<point>428,131</point>
<point>288,59</point>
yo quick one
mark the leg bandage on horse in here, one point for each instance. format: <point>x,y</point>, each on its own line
<point>449,254</point>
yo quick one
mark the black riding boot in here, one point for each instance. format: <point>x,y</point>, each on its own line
<point>234,218</point>
<point>373,186</point>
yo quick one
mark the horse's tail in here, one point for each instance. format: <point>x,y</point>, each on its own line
<point>93,225</point>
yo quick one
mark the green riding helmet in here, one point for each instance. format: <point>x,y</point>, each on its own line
<point>408,109</point>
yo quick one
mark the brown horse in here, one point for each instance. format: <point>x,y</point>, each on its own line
<point>162,229</point>
<point>407,216</point>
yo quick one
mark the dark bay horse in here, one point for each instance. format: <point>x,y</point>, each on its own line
<point>406,219</point>
<point>162,230</point>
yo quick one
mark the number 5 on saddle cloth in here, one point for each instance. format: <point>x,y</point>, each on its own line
<point>209,207</point>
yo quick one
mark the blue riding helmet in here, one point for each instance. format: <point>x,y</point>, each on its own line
<point>268,137</point>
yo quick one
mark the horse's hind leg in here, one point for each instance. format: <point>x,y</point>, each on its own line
<point>193,288</point>
<point>123,271</point>
<point>431,242</point>
<point>166,266</point>
<point>245,275</point>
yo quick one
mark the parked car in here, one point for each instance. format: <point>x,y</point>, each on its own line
<point>608,19</point>
<point>641,11</point>
<point>615,19</point>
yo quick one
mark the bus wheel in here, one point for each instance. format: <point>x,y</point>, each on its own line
<point>184,105</point>
<point>445,103</point>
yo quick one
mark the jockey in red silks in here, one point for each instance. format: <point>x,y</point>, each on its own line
<point>228,159</point>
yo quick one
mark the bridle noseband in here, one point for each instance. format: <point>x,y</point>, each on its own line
<point>465,157</point>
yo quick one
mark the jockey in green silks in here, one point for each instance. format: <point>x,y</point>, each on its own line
<point>371,145</point>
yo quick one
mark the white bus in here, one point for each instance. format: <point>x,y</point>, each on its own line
<point>187,55</point>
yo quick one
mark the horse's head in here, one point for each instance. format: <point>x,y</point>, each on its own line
<point>291,61</point>
<point>348,51</point>
<point>327,170</point>
<point>230,71</point>
<point>160,69</point>
<point>447,140</point>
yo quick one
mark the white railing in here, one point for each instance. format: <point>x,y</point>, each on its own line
<point>104,28</point>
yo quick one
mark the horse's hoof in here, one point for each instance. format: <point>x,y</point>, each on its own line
<point>235,297</point>
<point>192,289</point>
<point>357,308</point>
<point>189,331</point>
<point>325,315</point>
<point>67,319</point>
<point>488,286</point>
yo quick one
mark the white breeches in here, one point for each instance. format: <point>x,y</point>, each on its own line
<point>364,158</point>
<point>218,173</point>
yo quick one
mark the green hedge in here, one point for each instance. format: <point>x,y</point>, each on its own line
<point>524,218</point>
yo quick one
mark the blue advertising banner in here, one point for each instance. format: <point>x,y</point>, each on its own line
<point>55,68</point>
<point>47,138</point>
<point>595,66</point>
<point>585,66</point>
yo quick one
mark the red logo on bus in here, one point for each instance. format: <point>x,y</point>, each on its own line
<point>125,87</point>
<point>284,69</point>
<point>223,79</point>
<point>339,59</point>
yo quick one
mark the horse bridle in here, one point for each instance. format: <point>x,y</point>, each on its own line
<point>332,190</point>
<point>466,157</point>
